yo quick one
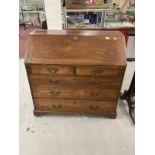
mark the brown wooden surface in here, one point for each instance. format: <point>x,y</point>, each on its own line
<point>75,82</point>
<point>52,70</point>
<point>75,93</point>
<point>105,113</point>
<point>75,71</point>
<point>106,71</point>
<point>76,47</point>
<point>87,106</point>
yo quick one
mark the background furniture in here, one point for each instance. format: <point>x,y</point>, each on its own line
<point>129,95</point>
<point>31,15</point>
<point>105,19</point>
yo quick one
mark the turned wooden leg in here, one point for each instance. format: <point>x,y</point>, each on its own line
<point>123,96</point>
<point>128,95</point>
<point>131,104</point>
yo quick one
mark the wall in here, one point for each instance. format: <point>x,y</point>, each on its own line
<point>53,14</point>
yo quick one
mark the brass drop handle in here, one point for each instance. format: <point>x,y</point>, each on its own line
<point>54,81</point>
<point>75,38</point>
<point>94,107</point>
<point>55,93</point>
<point>95,93</point>
<point>57,106</point>
<point>97,70</point>
<point>53,70</point>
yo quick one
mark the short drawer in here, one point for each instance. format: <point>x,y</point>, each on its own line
<point>51,70</point>
<point>76,82</point>
<point>86,106</point>
<point>75,93</point>
<point>106,71</point>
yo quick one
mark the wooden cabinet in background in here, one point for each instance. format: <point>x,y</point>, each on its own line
<point>75,71</point>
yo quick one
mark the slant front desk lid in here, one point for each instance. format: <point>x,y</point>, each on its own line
<point>78,47</point>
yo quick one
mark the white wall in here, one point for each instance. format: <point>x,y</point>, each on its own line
<point>53,14</point>
<point>131,47</point>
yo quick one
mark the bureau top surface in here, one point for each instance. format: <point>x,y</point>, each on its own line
<point>76,47</point>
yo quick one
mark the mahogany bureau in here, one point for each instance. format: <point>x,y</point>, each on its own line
<point>75,71</point>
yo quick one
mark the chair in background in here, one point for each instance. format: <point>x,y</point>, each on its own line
<point>129,95</point>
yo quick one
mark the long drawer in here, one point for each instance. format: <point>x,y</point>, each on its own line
<point>77,82</point>
<point>75,93</point>
<point>75,105</point>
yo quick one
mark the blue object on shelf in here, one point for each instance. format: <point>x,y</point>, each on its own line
<point>92,19</point>
<point>79,17</point>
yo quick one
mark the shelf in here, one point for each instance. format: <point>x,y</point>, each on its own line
<point>118,21</point>
<point>31,12</point>
<point>93,10</point>
<point>118,25</point>
<point>83,10</point>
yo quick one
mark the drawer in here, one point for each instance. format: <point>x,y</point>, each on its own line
<point>77,82</point>
<point>75,93</point>
<point>86,106</point>
<point>106,71</point>
<point>51,70</point>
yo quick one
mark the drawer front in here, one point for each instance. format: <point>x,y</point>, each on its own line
<point>77,82</point>
<point>51,70</point>
<point>108,71</point>
<point>75,93</point>
<point>75,105</point>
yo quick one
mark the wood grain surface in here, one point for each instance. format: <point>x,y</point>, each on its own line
<point>75,71</point>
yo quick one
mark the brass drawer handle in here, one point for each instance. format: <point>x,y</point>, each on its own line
<point>56,93</point>
<point>75,38</point>
<point>95,93</point>
<point>53,70</point>
<point>57,106</point>
<point>54,81</point>
<point>97,71</point>
<point>93,107</point>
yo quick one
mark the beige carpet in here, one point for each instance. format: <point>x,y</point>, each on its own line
<point>73,134</point>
